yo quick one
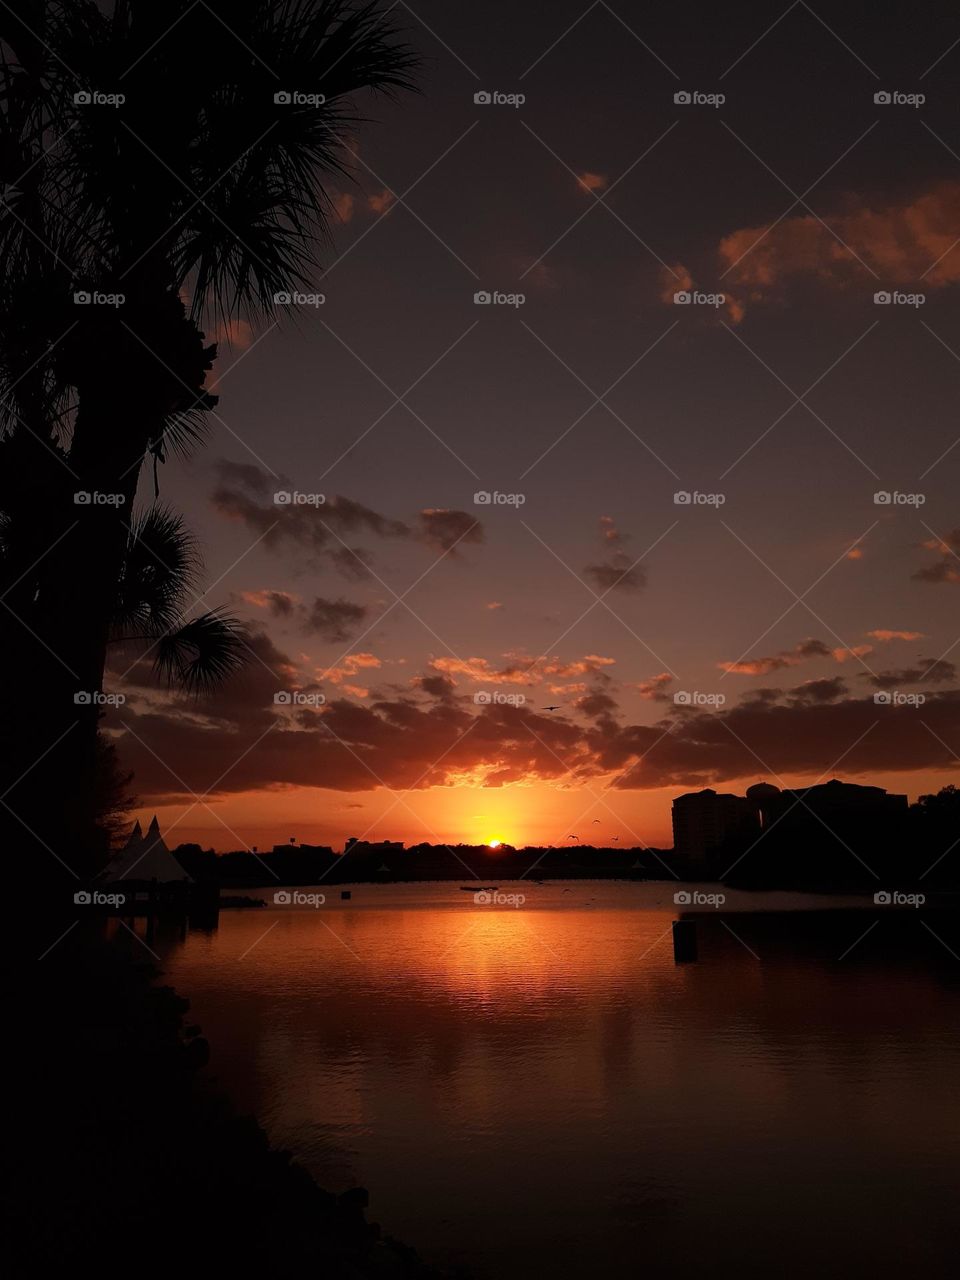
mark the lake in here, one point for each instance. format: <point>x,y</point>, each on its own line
<point>541,1089</point>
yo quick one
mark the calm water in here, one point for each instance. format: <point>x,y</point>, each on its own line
<point>542,1090</point>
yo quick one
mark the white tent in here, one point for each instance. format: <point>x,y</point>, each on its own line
<point>145,857</point>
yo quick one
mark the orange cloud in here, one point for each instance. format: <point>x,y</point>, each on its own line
<point>884,635</point>
<point>381,203</point>
<point>343,205</point>
<point>592,181</point>
<point>904,241</point>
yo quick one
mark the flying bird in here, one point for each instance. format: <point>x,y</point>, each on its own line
<point>596,819</point>
<point>615,837</point>
<point>573,837</point>
<point>551,708</point>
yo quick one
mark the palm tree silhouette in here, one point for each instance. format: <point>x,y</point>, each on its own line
<point>173,157</point>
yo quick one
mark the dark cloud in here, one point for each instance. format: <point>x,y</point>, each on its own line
<point>620,574</point>
<point>929,671</point>
<point>247,494</point>
<point>428,735</point>
<point>334,620</point>
<point>444,530</point>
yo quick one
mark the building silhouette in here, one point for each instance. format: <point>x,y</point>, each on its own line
<point>817,833</point>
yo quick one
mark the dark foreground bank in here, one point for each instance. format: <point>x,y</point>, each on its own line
<point>130,1158</point>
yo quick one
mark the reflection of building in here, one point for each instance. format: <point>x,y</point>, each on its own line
<point>705,821</point>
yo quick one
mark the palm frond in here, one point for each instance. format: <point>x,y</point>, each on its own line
<point>200,654</point>
<point>160,569</point>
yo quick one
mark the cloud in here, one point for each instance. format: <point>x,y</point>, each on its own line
<point>654,689</point>
<point>901,240</point>
<point>929,671</point>
<point>343,205</point>
<point>335,620</point>
<point>806,649</point>
<point>947,568</point>
<point>381,201</point>
<point>520,669</point>
<point>592,181</point>
<point>619,575</point>
<point>246,493</point>
<point>444,530</point>
<point>280,604</point>
<point>430,736</point>
<point>233,333</point>
<point>620,572</point>
<point>885,636</point>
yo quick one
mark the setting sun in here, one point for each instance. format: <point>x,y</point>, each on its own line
<point>493,844</point>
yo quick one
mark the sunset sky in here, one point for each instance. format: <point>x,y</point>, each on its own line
<point>780,611</point>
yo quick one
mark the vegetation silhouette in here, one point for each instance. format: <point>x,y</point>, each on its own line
<point>149,154</point>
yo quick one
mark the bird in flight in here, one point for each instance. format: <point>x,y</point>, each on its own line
<point>573,837</point>
<point>551,708</point>
<point>615,837</point>
<point>596,819</point>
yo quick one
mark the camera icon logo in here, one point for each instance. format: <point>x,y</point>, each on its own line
<point>81,699</point>
<point>882,98</point>
<point>682,898</point>
<point>682,498</point>
<point>282,499</point>
<point>482,98</point>
<point>882,498</point>
<point>483,899</point>
<point>81,298</point>
<point>482,698</point>
<point>82,498</point>
<point>482,498</point>
<point>682,698</point>
<point>883,698</point>
<point>882,898</point>
<point>883,298</point>
<point>683,298</point>
<point>82,98</point>
<point>82,899</point>
<point>282,98</point>
<point>281,898</point>
<point>282,699</point>
<point>682,98</point>
<point>482,298</point>
<point>282,299</point>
